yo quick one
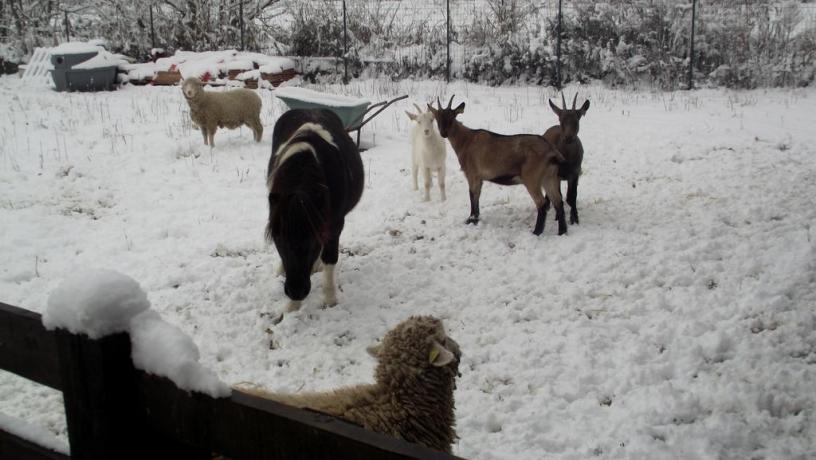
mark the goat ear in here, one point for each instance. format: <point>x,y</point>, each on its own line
<point>374,350</point>
<point>459,109</point>
<point>439,355</point>
<point>554,107</point>
<point>411,115</point>
<point>584,108</point>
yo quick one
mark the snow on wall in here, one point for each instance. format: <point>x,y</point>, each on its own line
<point>103,302</point>
<point>196,64</point>
<point>96,303</point>
<point>33,433</point>
<point>162,349</point>
<point>249,75</point>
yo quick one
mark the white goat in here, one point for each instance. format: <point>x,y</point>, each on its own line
<point>427,151</point>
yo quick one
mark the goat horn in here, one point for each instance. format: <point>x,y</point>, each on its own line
<point>438,104</point>
<point>417,107</point>
<point>574,99</point>
<point>563,102</point>
<point>451,101</point>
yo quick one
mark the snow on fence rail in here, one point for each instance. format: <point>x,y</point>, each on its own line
<point>115,410</point>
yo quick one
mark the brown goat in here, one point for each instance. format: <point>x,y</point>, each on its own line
<point>526,159</point>
<point>565,138</point>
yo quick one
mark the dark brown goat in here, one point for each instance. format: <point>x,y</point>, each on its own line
<point>564,136</point>
<point>526,159</point>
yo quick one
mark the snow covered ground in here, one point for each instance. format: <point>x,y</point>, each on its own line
<point>677,321</point>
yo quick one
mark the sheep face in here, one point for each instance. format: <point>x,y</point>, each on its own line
<point>417,349</point>
<point>191,87</point>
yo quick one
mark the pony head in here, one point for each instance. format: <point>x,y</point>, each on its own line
<point>298,227</point>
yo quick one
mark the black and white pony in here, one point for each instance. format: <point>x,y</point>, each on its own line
<point>315,178</point>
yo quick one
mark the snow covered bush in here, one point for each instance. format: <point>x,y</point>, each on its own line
<point>738,43</point>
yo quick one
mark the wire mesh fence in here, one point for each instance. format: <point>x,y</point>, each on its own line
<point>736,42</point>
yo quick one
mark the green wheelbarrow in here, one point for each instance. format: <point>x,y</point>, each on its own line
<point>354,112</point>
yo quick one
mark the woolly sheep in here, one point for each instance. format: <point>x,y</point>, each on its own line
<point>412,397</point>
<point>427,151</point>
<point>230,109</point>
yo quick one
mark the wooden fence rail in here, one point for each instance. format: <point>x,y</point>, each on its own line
<point>116,411</point>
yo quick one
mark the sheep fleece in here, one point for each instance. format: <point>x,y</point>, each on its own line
<point>411,399</point>
<point>228,109</point>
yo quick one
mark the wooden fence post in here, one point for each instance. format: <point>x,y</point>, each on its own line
<point>106,419</point>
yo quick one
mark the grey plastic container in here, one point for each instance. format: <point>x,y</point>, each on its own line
<point>66,61</point>
<point>68,79</point>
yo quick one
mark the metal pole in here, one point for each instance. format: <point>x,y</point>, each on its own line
<point>152,30</point>
<point>241,14</point>
<point>691,51</point>
<point>447,41</point>
<point>67,25</point>
<point>345,46</point>
<point>558,51</point>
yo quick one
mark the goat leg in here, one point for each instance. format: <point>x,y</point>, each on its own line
<point>534,189</point>
<point>475,191</point>
<point>441,180</point>
<point>426,174</point>
<point>552,185</point>
<point>559,216</point>
<point>540,218</point>
<point>572,197</point>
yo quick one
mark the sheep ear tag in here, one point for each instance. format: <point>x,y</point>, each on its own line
<point>439,355</point>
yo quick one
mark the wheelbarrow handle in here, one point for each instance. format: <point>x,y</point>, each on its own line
<point>355,126</point>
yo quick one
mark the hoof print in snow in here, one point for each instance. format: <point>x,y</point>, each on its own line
<point>605,401</point>
<point>344,339</point>
<point>223,251</point>
<point>394,232</point>
<point>277,319</point>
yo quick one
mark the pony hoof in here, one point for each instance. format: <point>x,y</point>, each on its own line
<point>538,232</point>
<point>293,306</point>
<point>472,220</point>
<point>329,300</point>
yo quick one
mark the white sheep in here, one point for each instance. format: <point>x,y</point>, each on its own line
<point>412,397</point>
<point>427,151</point>
<point>230,109</point>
